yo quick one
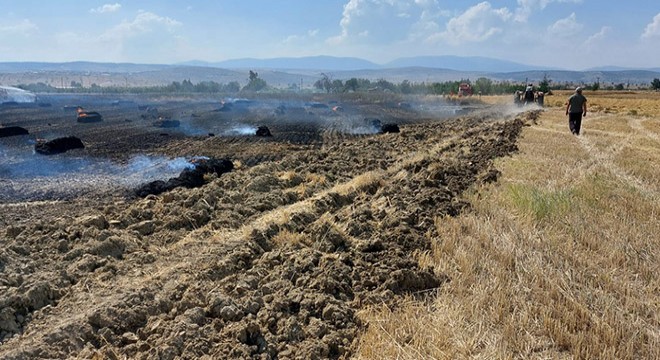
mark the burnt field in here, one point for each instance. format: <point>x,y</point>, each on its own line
<point>273,257</point>
<point>139,139</point>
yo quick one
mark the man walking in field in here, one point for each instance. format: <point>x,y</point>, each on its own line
<point>576,108</point>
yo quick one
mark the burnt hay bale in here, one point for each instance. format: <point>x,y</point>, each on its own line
<point>263,131</point>
<point>59,145</point>
<point>189,178</point>
<point>89,117</point>
<point>381,128</point>
<point>390,128</point>
<point>13,131</point>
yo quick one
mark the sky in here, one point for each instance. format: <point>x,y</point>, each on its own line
<point>563,34</point>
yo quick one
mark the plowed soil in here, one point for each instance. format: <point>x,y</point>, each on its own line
<point>272,260</point>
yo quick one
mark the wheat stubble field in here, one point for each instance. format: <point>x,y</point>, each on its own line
<point>557,260</point>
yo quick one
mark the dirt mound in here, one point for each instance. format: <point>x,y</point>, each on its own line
<point>273,260</point>
<point>59,145</point>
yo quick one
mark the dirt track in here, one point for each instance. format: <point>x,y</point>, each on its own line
<point>272,260</point>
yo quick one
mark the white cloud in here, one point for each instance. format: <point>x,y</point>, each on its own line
<point>653,29</point>
<point>293,39</point>
<point>566,27</point>
<point>478,23</point>
<point>595,38</point>
<point>24,27</point>
<point>148,36</point>
<point>107,8</point>
<point>144,22</point>
<point>527,7</point>
<point>384,21</point>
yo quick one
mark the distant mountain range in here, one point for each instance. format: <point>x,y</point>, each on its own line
<point>330,63</point>
<point>283,72</point>
<point>619,68</point>
<point>288,63</point>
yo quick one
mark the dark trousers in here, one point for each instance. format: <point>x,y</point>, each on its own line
<point>575,122</point>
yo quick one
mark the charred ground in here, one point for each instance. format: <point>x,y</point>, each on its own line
<point>271,260</point>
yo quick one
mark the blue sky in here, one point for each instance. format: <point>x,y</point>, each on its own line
<point>570,34</point>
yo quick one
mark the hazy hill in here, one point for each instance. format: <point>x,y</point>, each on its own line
<point>413,74</point>
<point>619,68</point>
<point>284,72</point>
<point>462,63</point>
<point>79,66</point>
<point>584,77</point>
<point>309,62</point>
<point>330,63</point>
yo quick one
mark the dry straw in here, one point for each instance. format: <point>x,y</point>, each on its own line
<point>558,260</point>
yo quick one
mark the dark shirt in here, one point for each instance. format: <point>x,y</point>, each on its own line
<point>576,102</point>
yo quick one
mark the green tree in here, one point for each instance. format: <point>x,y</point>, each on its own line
<point>405,87</point>
<point>255,83</point>
<point>324,83</point>
<point>351,84</point>
<point>655,84</point>
<point>385,85</point>
<point>232,87</point>
<point>485,85</point>
<point>337,86</point>
<point>253,75</point>
<point>187,85</point>
<point>544,85</point>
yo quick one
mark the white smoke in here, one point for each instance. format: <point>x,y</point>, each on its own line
<point>8,94</point>
<point>240,130</point>
<point>29,176</point>
<point>144,167</point>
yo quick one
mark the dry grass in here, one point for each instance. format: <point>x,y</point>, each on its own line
<point>286,237</point>
<point>634,103</point>
<point>559,259</point>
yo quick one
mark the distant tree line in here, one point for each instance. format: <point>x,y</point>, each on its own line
<point>482,85</point>
<point>326,84</point>
<point>186,86</point>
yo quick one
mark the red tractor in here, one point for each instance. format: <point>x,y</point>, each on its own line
<point>464,89</point>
